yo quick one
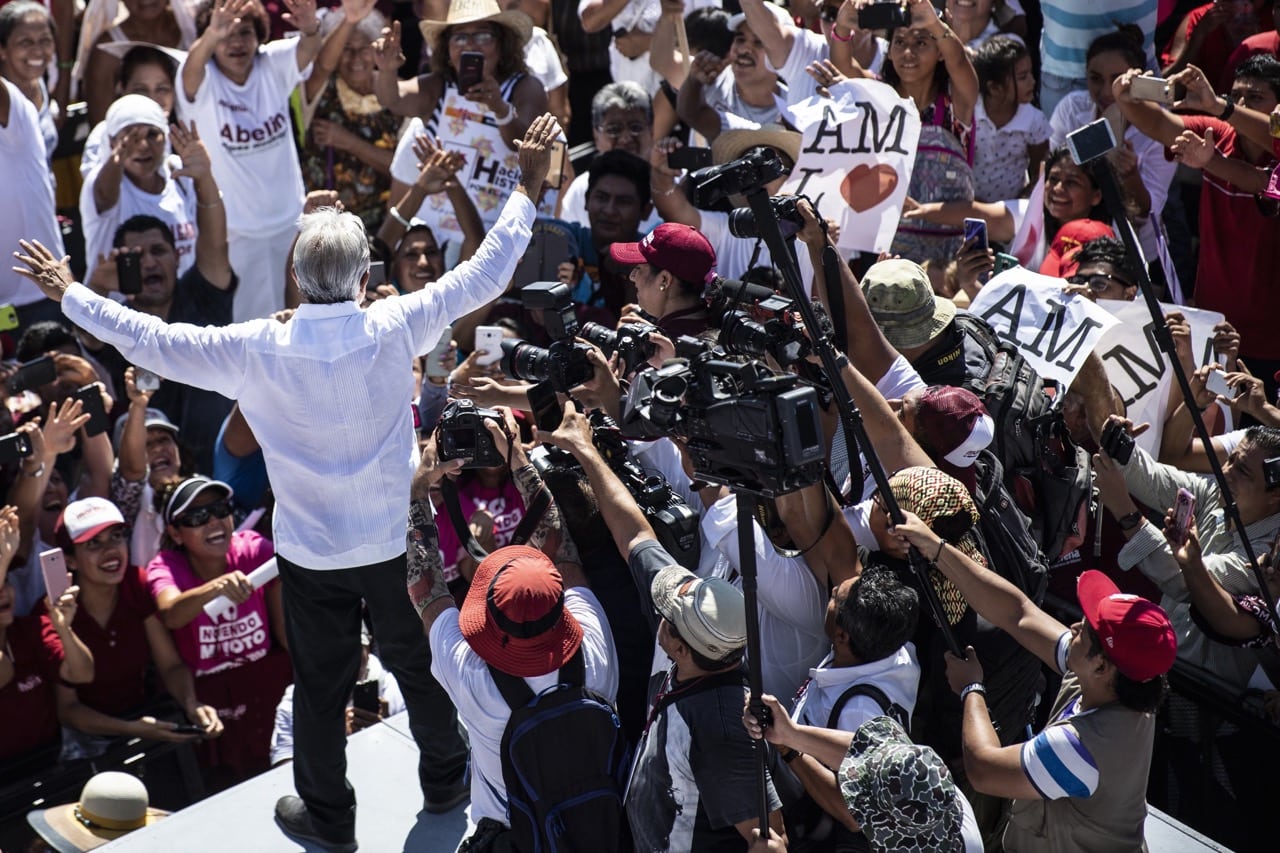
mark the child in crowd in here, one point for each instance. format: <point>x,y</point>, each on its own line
<point>1012,135</point>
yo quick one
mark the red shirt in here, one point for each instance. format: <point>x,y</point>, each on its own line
<point>1239,252</point>
<point>27,703</point>
<point>1268,43</point>
<point>121,653</point>
<point>1218,45</point>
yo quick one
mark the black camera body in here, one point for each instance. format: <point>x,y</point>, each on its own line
<point>14,446</point>
<point>884,16</point>
<point>745,426</point>
<point>755,321</point>
<point>461,434</point>
<point>1116,442</point>
<point>564,363</point>
<point>751,171</point>
<point>631,341</point>
<point>742,220</point>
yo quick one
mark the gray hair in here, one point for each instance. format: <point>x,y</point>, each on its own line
<point>331,256</point>
<point>627,95</point>
<point>370,26</point>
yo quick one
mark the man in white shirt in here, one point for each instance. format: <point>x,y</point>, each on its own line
<point>289,380</point>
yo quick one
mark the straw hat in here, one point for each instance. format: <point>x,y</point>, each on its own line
<point>111,805</point>
<point>475,11</point>
<point>732,144</point>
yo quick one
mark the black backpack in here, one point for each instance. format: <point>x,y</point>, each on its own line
<point>565,764</point>
<point>1044,470</point>
<point>1004,532</point>
<point>888,707</point>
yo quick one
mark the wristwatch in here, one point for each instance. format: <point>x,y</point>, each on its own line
<point>1129,521</point>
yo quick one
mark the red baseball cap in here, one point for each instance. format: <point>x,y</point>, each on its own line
<point>1061,260</point>
<point>679,249</point>
<point>1135,632</point>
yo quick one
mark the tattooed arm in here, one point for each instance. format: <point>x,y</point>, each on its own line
<point>427,588</point>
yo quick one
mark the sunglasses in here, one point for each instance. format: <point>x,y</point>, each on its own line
<point>1098,282</point>
<point>200,516</point>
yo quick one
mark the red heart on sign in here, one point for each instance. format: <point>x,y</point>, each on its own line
<point>865,187</point>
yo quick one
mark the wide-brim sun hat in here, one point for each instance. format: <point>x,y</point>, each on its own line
<point>111,804</point>
<point>732,144</point>
<point>477,11</point>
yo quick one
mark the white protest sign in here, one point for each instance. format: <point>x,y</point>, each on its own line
<point>856,159</point>
<point>1054,332</point>
<point>1139,371</point>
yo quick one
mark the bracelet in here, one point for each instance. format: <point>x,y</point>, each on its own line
<point>35,473</point>
<point>314,32</point>
<point>66,65</point>
<point>1228,110</point>
<point>942,543</point>
<point>209,206</point>
<point>975,687</point>
<point>1129,521</point>
<point>671,191</point>
<point>842,361</point>
<point>503,122</point>
<point>397,216</point>
<point>835,34</point>
<point>790,755</point>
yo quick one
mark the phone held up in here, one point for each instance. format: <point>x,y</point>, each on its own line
<point>1116,442</point>
<point>1184,510</point>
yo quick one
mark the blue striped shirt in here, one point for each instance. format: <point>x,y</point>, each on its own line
<point>1070,25</point>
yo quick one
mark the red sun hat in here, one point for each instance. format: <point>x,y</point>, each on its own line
<point>1136,633</point>
<point>514,616</point>
<point>679,249</point>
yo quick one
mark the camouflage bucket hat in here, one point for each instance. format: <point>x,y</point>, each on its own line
<point>901,793</point>
<point>943,503</point>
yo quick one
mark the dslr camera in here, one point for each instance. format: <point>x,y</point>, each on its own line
<point>630,341</point>
<point>461,434</point>
<point>564,364</point>
<point>742,220</point>
<point>749,172</point>
<point>1118,444</point>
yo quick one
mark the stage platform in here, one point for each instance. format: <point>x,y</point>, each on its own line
<point>382,766</point>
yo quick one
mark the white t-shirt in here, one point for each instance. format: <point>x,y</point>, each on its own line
<point>484,712</point>
<point>28,211</point>
<point>735,113</point>
<point>175,204</point>
<point>1000,158</point>
<point>733,254</point>
<point>250,140</point>
<point>543,62</point>
<point>810,47</point>
<point>898,675</point>
<point>790,604</point>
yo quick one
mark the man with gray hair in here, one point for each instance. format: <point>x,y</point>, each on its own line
<point>621,120</point>
<point>341,483</point>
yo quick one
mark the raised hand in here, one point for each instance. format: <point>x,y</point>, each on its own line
<point>437,168</point>
<point>10,537</point>
<point>51,274</point>
<point>387,55</point>
<point>188,146</point>
<point>1191,149</point>
<point>302,14</point>
<point>226,14</point>
<point>357,10</point>
<point>535,153</point>
<point>131,389</point>
<point>60,425</point>
<point>706,67</point>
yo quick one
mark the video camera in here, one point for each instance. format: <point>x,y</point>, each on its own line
<point>745,426</point>
<point>461,434</point>
<point>751,171</point>
<point>564,363</point>
<point>674,524</point>
<point>755,321</point>
<point>630,341</point>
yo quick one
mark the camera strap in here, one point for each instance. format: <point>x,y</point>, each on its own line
<point>453,507</point>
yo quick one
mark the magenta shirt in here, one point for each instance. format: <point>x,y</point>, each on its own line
<point>503,503</point>
<point>244,633</point>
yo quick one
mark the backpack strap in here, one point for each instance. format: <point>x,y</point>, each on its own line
<point>858,690</point>
<point>460,526</point>
<point>517,692</point>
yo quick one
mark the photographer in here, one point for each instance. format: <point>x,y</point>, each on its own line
<point>669,269</point>
<point>1145,481</point>
<point>693,786</point>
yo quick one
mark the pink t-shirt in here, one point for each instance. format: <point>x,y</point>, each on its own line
<point>503,503</point>
<point>244,633</point>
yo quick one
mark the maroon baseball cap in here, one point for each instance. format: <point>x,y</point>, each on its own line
<point>679,249</point>
<point>956,427</point>
<point>1136,634</point>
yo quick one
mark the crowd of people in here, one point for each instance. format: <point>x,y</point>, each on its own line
<point>266,316</point>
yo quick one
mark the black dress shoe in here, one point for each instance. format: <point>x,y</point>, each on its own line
<point>295,820</point>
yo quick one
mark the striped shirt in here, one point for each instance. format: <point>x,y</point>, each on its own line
<point>1056,761</point>
<point>1070,25</point>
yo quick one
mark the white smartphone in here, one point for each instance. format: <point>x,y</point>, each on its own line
<point>489,344</point>
<point>434,367</point>
<point>1091,141</point>
<point>54,567</point>
<point>1216,383</point>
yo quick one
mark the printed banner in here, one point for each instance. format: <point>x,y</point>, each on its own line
<point>1054,332</point>
<point>856,158</point>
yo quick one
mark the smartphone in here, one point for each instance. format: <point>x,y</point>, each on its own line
<point>545,406</point>
<point>14,446</point>
<point>883,16</point>
<point>1091,141</point>
<point>975,230</point>
<point>1275,124</point>
<point>1216,383</point>
<point>377,274</point>
<point>129,272</point>
<point>1117,443</point>
<point>365,696</point>
<point>1155,89</point>
<point>145,380</point>
<point>470,70</point>
<point>33,374</point>
<point>689,158</point>
<point>1005,261</point>
<point>8,318</point>
<point>90,397</point>
<point>489,344</point>
<point>559,157</point>
<point>53,565</point>
<point>1184,508</point>
<point>434,366</point>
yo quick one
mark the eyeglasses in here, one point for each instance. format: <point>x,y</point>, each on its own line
<point>1098,282</point>
<point>200,516</point>
<point>117,536</point>
<point>613,131</point>
<point>483,38</point>
<point>830,13</point>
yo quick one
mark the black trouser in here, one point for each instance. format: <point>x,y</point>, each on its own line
<point>322,618</point>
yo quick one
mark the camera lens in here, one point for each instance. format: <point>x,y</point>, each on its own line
<point>743,336</point>
<point>602,336</point>
<point>523,361</point>
<point>742,223</point>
